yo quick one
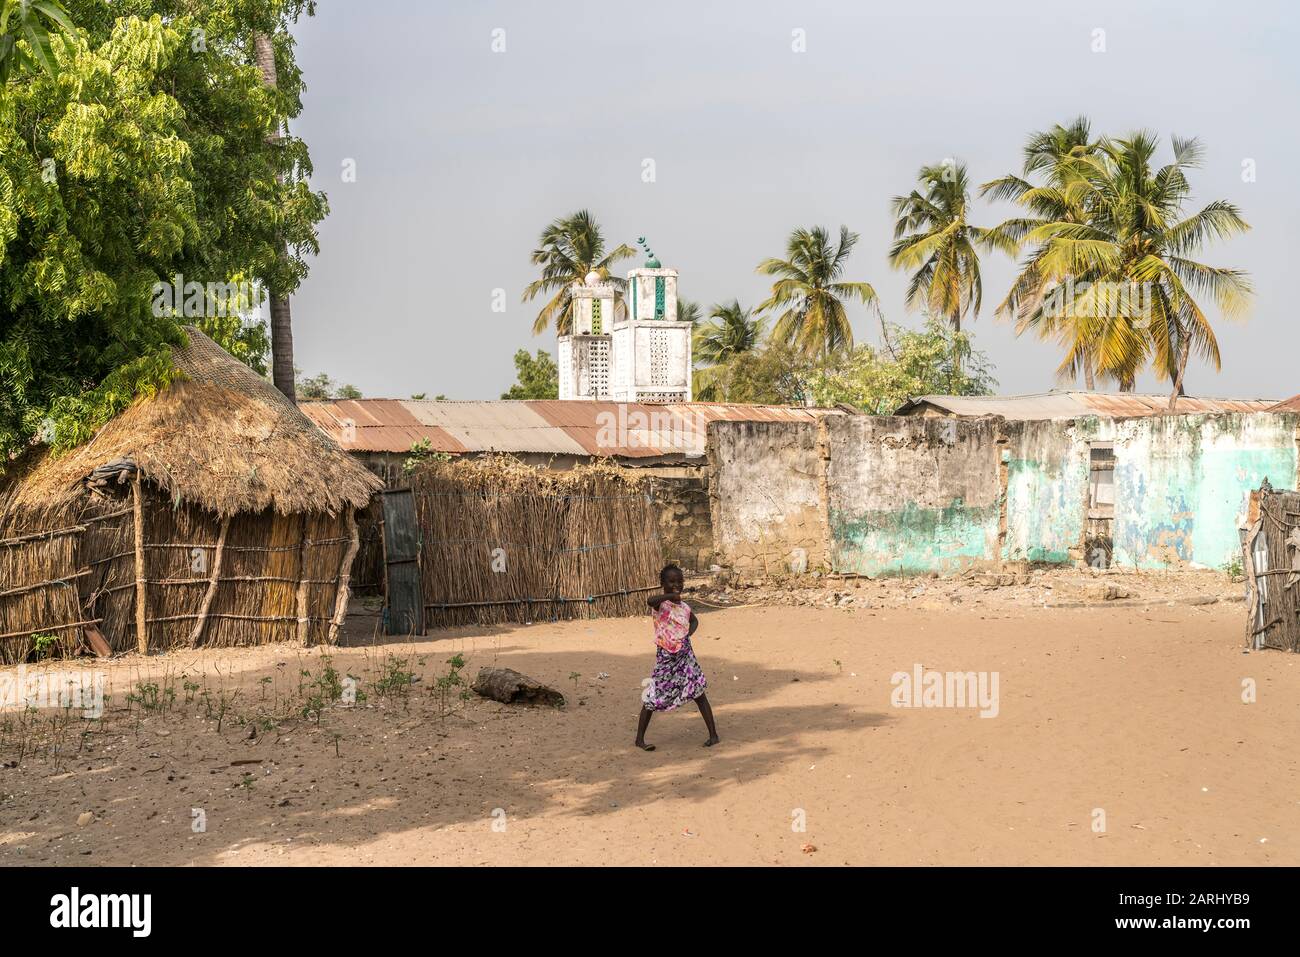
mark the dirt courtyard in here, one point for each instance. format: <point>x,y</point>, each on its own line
<point>1130,711</point>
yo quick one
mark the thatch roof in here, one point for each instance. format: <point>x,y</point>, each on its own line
<point>221,438</point>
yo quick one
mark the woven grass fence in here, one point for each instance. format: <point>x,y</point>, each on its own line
<point>161,576</point>
<point>368,568</point>
<point>43,576</point>
<point>504,542</point>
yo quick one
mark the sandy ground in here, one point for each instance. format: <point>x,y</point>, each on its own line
<point>1133,709</point>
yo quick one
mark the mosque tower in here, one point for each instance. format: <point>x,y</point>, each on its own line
<point>583,356</point>
<point>639,353</point>
<point>651,349</point>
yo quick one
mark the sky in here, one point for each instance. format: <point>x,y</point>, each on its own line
<point>463,153</point>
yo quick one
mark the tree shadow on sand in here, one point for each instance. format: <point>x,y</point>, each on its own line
<point>403,772</point>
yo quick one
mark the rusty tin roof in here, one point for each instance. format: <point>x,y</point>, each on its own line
<point>1068,405</point>
<point>551,426</point>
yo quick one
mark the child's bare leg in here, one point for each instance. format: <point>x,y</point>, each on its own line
<point>703,703</point>
<point>642,723</point>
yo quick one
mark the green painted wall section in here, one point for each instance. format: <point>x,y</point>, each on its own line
<point>1187,508</point>
<point>913,539</point>
<point>1044,509</point>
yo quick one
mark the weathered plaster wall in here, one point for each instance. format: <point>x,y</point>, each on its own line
<point>765,493</point>
<point>685,525</point>
<point>881,495</point>
<point>909,495</point>
<point>1181,483</point>
<point>1047,486</point>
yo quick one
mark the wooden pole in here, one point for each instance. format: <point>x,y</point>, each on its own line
<point>1252,583</point>
<point>303,576</point>
<point>345,575</point>
<point>213,583</point>
<point>141,610</point>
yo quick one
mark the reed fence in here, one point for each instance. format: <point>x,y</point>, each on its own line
<point>501,541</point>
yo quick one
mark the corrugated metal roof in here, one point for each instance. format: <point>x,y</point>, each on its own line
<point>552,427</point>
<point>1068,405</point>
<point>1287,405</point>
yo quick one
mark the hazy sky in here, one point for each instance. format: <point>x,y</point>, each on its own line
<point>463,155</point>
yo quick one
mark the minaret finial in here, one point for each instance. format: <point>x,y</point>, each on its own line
<point>652,262</point>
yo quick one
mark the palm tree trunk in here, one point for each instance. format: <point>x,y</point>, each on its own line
<point>282,370</point>
<point>1184,352</point>
<point>1089,382</point>
<point>956,350</point>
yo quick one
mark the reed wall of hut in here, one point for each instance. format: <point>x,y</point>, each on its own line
<point>212,513</point>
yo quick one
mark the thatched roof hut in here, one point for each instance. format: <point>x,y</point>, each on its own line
<point>211,513</point>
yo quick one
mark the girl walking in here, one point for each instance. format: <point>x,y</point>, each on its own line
<point>677,676</point>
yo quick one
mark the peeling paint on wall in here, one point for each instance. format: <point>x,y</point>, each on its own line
<point>914,495</point>
<point>1182,482</point>
<point>1047,479</point>
<point>909,495</point>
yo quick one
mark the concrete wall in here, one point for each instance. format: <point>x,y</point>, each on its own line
<point>766,495</point>
<point>909,495</point>
<point>881,495</point>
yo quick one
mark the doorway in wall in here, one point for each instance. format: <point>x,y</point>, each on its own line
<point>1099,523</point>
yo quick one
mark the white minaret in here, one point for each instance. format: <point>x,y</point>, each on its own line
<point>651,349</point>
<point>584,355</point>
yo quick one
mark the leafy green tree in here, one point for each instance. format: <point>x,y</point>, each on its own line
<point>145,162</point>
<point>322,387</point>
<point>732,331</point>
<point>935,360</point>
<point>934,239</point>
<point>809,294</point>
<point>569,249</point>
<point>777,374</point>
<point>30,21</point>
<point>539,378</point>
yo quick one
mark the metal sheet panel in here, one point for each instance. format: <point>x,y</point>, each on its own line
<point>495,426</point>
<point>626,430</point>
<point>1066,405</point>
<point>405,611</point>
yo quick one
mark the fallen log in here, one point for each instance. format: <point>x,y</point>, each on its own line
<point>510,687</point>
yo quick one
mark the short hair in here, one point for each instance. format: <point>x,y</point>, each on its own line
<point>667,570</point>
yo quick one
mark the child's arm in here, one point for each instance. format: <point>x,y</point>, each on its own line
<point>654,601</point>
<point>695,623</point>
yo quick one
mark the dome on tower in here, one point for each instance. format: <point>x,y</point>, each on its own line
<point>592,278</point>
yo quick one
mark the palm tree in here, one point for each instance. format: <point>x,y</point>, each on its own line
<point>809,294</point>
<point>933,237</point>
<point>30,20</point>
<point>1064,159</point>
<point>688,310</point>
<point>731,332</point>
<point>568,249</point>
<point>1133,252</point>
<point>282,369</point>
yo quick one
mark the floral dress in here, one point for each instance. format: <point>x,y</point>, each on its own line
<point>677,676</point>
